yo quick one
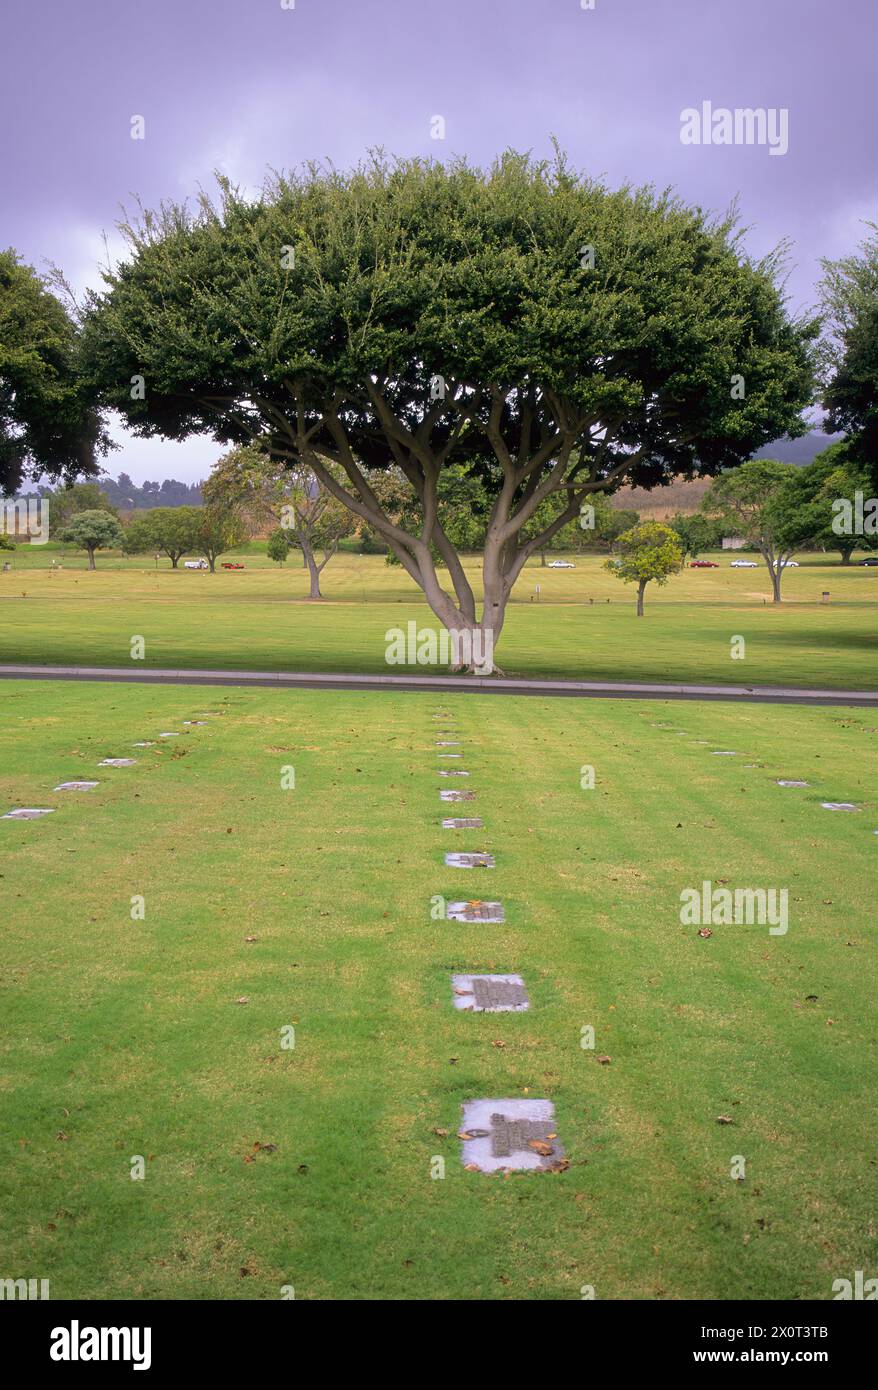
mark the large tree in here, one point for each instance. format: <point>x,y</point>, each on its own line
<point>48,422</point>
<point>826,490</point>
<point>551,335</point>
<point>850,350</point>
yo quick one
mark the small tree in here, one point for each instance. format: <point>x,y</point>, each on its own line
<point>278,545</point>
<point>647,552</point>
<point>760,502</point>
<point>93,531</point>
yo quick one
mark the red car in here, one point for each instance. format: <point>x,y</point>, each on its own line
<point>703,565</point>
<point>227,565</point>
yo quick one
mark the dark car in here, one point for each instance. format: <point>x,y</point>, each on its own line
<point>703,565</point>
<point>873,560</point>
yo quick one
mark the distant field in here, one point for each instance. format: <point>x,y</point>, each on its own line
<point>580,625</point>
<point>126,1037</point>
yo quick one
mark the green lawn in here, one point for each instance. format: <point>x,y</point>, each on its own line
<point>582,625</point>
<point>123,1037</point>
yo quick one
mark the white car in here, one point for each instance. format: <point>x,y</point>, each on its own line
<point>744,565</point>
<point>787,564</point>
<point>196,565</point>
<point>560,565</point>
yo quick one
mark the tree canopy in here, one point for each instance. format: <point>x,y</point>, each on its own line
<point>93,531</point>
<point>48,421</point>
<point>850,350</point>
<point>648,552</point>
<point>551,336</point>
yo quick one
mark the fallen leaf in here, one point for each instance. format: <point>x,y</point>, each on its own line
<point>724,1120</point>
<point>540,1147</point>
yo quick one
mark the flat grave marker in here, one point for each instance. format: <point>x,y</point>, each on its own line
<point>117,762</point>
<point>472,860</point>
<point>790,782</point>
<point>509,1134</point>
<point>457,796</point>
<point>839,806</point>
<point>76,786</point>
<point>453,823</point>
<point>28,813</point>
<point>144,743</point>
<point>489,994</point>
<point>452,772</point>
<point>475,911</point>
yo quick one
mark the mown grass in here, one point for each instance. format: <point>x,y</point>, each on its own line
<point>582,624</point>
<point>123,1037</point>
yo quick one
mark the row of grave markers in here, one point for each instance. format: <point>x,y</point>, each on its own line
<point>509,1132</point>
<point>82,785</point>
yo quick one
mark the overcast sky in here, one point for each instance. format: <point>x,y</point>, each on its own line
<point>240,85</point>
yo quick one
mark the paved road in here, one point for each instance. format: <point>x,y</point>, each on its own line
<point>626,690</point>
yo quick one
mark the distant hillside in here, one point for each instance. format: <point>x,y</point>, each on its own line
<point>799,451</point>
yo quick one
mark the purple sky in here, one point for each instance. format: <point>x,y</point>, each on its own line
<point>242,84</point>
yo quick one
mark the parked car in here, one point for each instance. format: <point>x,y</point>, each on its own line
<point>227,565</point>
<point>787,564</point>
<point>560,565</point>
<point>196,565</point>
<point>703,565</point>
<point>872,560</point>
<point>744,565</point>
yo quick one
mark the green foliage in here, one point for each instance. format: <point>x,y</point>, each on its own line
<point>419,317</point>
<point>850,350</point>
<point>94,530</point>
<point>175,531</point>
<point>761,502</point>
<point>648,552</point>
<point>696,533</point>
<point>48,422</point>
<point>277,547</point>
<point>65,502</point>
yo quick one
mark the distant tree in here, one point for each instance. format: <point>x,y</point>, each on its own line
<point>264,490</point>
<point>175,531</point>
<point>220,528</point>
<point>48,421</point>
<point>833,496</point>
<point>93,531</point>
<point>66,502</point>
<point>278,545</point>
<point>850,350</point>
<point>648,552</point>
<point>760,503</point>
<point>5,542</point>
<point>696,533</point>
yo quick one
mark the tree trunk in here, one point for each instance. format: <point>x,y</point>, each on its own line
<point>543,559</point>
<point>640,589</point>
<point>846,556</point>
<point>313,570</point>
<point>175,560</point>
<point>91,560</point>
<point>211,561</point>
<point>776,572</point>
